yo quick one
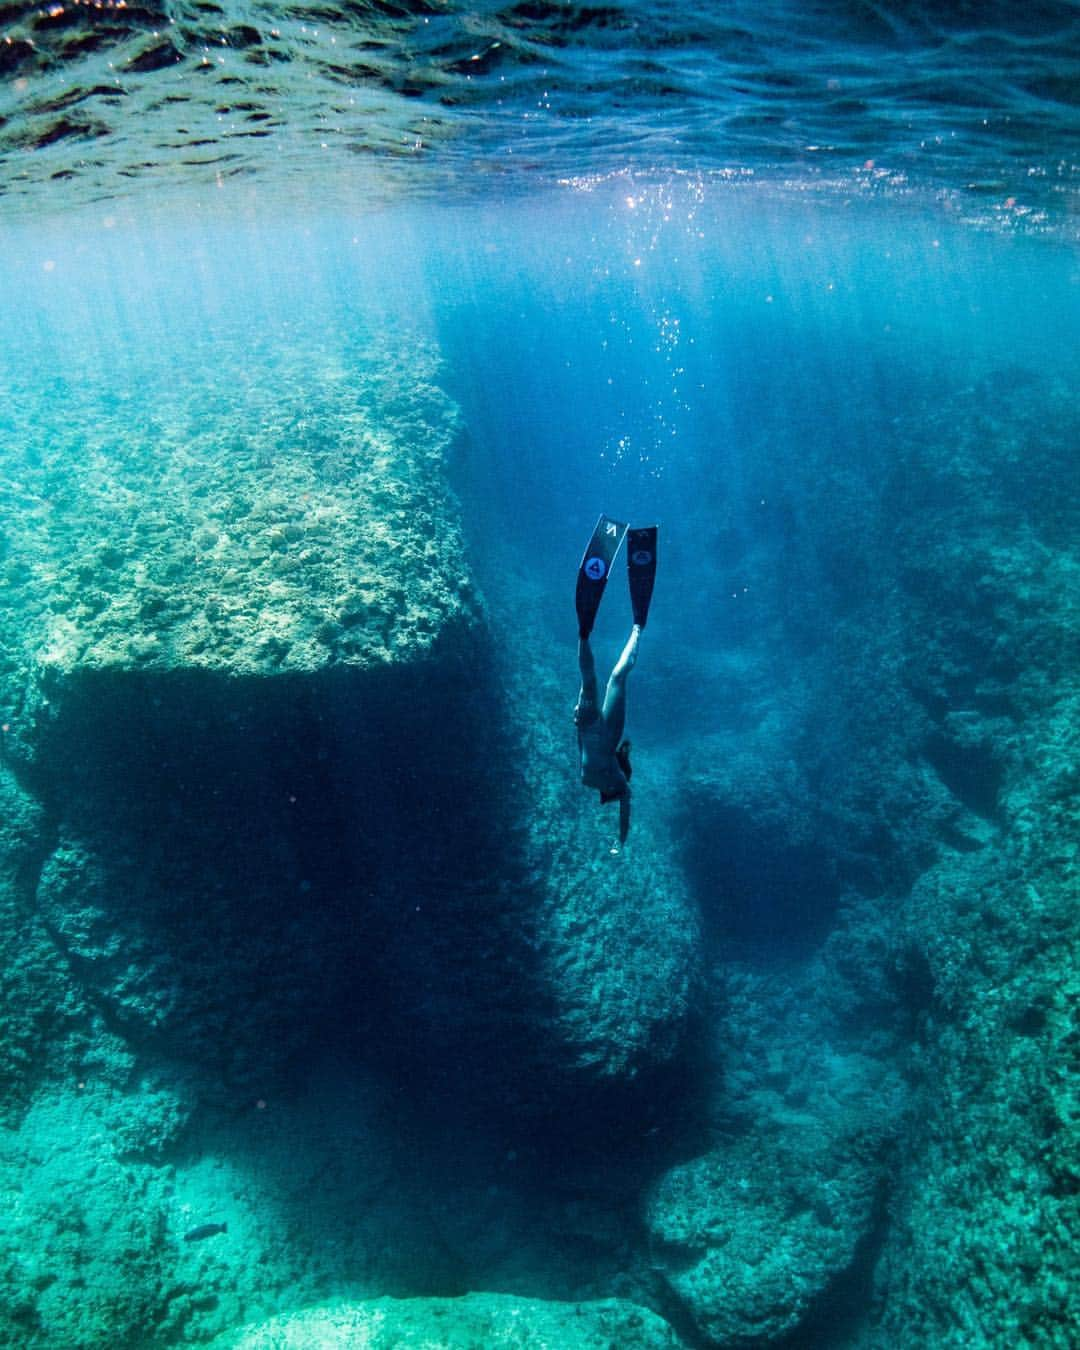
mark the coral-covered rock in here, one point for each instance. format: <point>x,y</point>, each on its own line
<point>465,1323</point>
<point>752,1235</point>
<point>617,935</point>
<point>251,679</point>
<point>321,534</point>
<point>83,1250</point>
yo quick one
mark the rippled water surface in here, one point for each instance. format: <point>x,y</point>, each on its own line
<point>368,100</point>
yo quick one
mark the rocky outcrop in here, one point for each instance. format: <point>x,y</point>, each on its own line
<point>270,788</point>
<point>206,621</point>
<point>985,1213</point>
<point>618,937</point>
<point>897,822</point>
<point>249,679</point>
<point>461,1323</point>
<point>755,1236</point>
<point>277,535</point>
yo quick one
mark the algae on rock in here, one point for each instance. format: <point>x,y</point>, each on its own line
<point>250,687</point>
<point>290,520</point>
<point>467,1323</point>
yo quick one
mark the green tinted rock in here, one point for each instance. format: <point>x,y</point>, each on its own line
<point>322,533</point>
<point>474,1322</point>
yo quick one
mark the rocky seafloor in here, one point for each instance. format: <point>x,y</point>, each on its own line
<point>306,933</point>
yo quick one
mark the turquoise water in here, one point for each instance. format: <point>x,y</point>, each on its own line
<point>330,1015</point>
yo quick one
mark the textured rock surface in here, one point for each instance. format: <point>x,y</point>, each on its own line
<point>897,814</point>
<point>281,533</point>
<point>753,1236</point>
<point>615,936</point>
<point>982,1250</point>
<point>467,1323</point>
<point>213,581</point>
<point>256,625</point>
<point>223,852</point>
<point>83,1246</point>
<point>213,871</point>
<point>37,997</point>
<point>618,934</point>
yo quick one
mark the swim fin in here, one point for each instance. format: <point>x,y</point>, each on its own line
<point>641,568</point>
<point>593,572</point>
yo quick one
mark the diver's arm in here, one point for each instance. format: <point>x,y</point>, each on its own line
<point>624,816</point>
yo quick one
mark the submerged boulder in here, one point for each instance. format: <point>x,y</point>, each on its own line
<point>276,800</point>
<point>461,1324</point>
<point>616,935</point>
<point>752,1236</point>
<point>250,676</point>
<point>231,613</point>
<point>754,1233</point>
<point>279,534</point>
<point>84,1253</point>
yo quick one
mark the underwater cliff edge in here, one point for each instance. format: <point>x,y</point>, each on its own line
<point>328,1016</point>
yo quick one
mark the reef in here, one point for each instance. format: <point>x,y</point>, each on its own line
<point>327,1007</point>
<point>144,535</point>
<point>257,805</point>
<point>985,1219</point>
<point>889,880</point>
<point>474,1320</point>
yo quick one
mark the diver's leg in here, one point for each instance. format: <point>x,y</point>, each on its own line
<point>587,697</point>
<point>615,698</point>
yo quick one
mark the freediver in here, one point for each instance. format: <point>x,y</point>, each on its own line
<point>604,754</point>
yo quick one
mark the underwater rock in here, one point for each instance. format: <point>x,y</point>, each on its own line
<point>616,935</point>
<point>83,1251</point>
<point>618,944</point>
<point>930,761</point>
<point>461,1324</point>
<point>197,612</point>
<point>323,535</point>
<point>308,833</point>
<point>39,1002</point>
<point>207,620</point>
<point>981,1246</point>
<point>249,855</point>
<point>751,1236</point>
<point>249,676</point>
<point>760,1238</point>
<point>238,865</point>
<point>619,948</point>
<point>984,1233</point>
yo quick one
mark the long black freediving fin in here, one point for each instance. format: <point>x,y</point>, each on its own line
<point>641,569</point>
<point>594,570</point>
